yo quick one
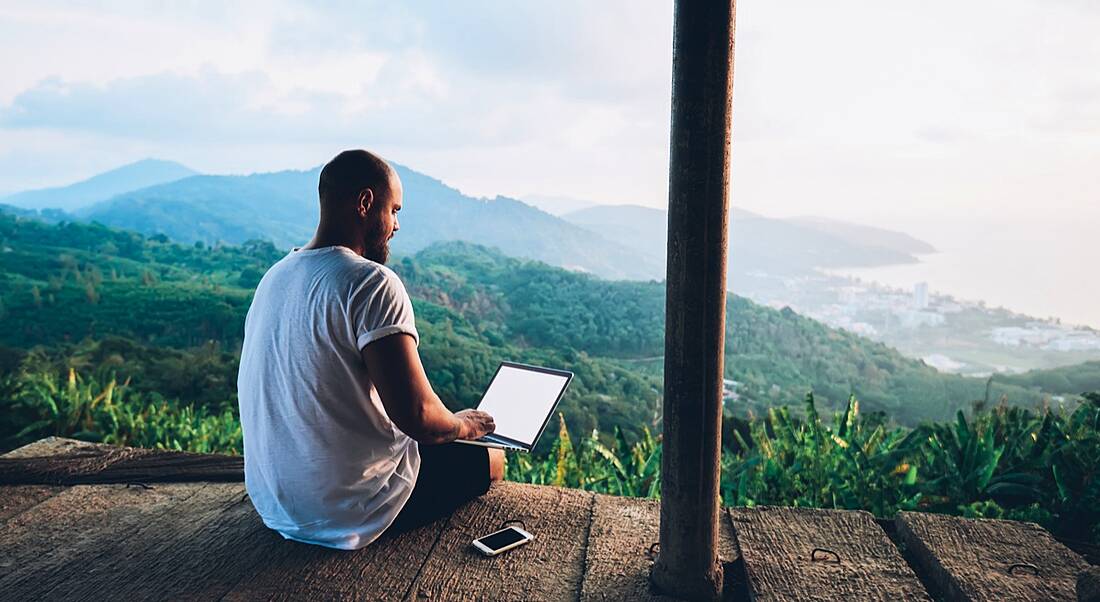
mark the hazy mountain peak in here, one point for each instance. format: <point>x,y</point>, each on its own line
<point>129,177</point>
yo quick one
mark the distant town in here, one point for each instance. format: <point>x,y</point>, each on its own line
<point>949,334</point>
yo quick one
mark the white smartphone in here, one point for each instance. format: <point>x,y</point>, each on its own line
<point>502,541</point>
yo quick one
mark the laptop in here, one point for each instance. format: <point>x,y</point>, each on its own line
<point>521,399</point>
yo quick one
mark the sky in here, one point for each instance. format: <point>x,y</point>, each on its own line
<point>886,113</point>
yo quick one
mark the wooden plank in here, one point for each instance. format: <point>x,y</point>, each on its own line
<point>128,567</point>
<point>384,570</point>
<point>52,446</point>
<point>220,552</point>
<point>548,568</point>
<point>970,559</point>
<point>225,543</point>
<point>52,539</point>
<point>58,461</point>
<point>777,548</point>
<point>617,561</point>
<point>18,498</point>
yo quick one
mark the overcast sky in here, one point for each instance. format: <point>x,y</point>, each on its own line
<point>869,110</point>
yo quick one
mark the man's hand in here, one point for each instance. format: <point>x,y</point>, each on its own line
<point>475,424</point>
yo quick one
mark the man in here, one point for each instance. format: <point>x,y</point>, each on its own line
<point>343,436</point>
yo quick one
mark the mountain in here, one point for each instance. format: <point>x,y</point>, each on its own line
<point>557,205</point>
<point>759,244</point>
<point>867,235</point>
<point>282,207</point>
<point>147,172</point>
<point>774,356</point>
<point>68,283</point>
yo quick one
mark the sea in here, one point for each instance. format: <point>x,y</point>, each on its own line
<point>1046,267</point>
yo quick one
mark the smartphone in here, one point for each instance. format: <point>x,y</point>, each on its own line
<point>502,541</point>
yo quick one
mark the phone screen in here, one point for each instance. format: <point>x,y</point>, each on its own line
<point>501,539</point>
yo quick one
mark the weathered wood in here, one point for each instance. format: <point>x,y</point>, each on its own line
<point>51,446</point>
<point>971,559</point>
<point>42,545</point>
<point>18,498</point>
<point>131,566</point>
<point>384,570</point>
<point>58,461</point>
<point>618,559</point>
<point>548,568</point>
<point>205,563</point>
<point>777,548</point>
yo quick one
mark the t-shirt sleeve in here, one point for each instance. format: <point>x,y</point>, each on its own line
<point>381,307</point>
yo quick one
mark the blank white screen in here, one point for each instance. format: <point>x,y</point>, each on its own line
<point>519,400</point>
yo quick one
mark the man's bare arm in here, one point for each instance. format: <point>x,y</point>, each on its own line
<point>395,369</point>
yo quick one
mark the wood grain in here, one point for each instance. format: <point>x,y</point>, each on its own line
<point>617,560</point>
<point>969,559</point>
<point>56,539</point>
<point>777,548</point>
<point>147,562</point>
<point>548,568</point>
<point>18,498</point>
<point>384,570</point>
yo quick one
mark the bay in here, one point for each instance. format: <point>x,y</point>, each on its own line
<point>1042,266</point>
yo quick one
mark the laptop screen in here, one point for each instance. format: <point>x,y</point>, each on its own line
<point>520,400</point>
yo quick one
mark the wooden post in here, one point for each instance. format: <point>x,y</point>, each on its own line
<point>702,80</point>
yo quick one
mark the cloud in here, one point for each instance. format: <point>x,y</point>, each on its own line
<point>216,107</point>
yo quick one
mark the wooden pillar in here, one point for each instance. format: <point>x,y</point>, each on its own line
<point>702,79</point>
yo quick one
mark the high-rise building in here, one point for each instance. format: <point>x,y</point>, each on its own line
<point>920,295</point>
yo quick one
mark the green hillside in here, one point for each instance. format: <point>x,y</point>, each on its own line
<point>776,356</point>
<point>170,316</point>
<point>282,207</point>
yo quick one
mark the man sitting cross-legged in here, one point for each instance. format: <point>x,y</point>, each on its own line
<point>343,436</point>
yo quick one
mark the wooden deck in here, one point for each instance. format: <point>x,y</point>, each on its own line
<point>202,540</point>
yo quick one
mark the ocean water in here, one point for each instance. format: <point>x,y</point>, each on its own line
<point>1043,267</point>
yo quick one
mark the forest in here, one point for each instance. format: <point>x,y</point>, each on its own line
<point>111,336</point>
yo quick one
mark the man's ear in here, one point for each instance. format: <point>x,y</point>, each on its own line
<point>366,199</point>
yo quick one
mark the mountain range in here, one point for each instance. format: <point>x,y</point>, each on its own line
<point>147,172</point>
<point>74,284</point>
<point>612,241</point>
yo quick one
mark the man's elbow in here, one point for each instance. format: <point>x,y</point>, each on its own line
<point>425,436</point>
<point>422,430</point>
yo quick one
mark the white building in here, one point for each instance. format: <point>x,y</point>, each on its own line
<point>920,295</point>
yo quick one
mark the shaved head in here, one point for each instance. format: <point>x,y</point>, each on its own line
<point>360,197</point>
<point>350,172</point>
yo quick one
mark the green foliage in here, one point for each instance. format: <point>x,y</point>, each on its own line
<point>1007,463</point>
<point>62,285</point>
<point>38,405</point>
<point>773,355</point>
<point>1068,380</point>
<point>617,468</point>
<point>852,463</point>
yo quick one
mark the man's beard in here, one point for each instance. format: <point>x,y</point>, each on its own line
<point>376,247</point>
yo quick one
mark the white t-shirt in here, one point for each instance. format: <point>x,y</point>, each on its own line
<point>323,463</point>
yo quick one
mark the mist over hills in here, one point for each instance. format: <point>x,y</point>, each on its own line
<point>612,241</point>
<point>282,207</point>
<point>74,284</point>
<point>147,172</point>
<point>761,244</point>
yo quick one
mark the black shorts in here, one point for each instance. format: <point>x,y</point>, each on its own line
<point>450,475</point>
